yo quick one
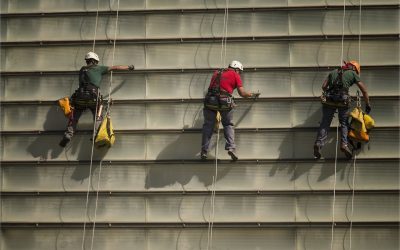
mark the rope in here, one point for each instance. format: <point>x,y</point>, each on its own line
<point>95,29</point>
<point>343,21</point>
<point>93,135</point>
<point>90,175</point>
<point>355,156</point>
<point>215,177</point>
<point>337,135</point>
<point>352,199</point>
<point>334,187</point>
<point>107,114</point>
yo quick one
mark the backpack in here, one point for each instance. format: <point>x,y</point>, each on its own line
<point>105,134</point>
<point>217,99</point>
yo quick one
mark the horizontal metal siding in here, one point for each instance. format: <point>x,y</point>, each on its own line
<point>277,114</point>
<point>199,25</point>
<point>167,146</point>
<point>195,177</point>
<point>38,6</point>
<point>196,239</point>
<point>196,208</point>
<point>204,55</point>
<point>285,83</point>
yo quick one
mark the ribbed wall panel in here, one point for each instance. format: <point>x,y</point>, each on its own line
<point>279,114</point>
<point>167,146</point>
<point>196,239</point>
<point>196,25</point>
<point>196,208</point>
<point>152,184</point>
<point>190,85</point>
<point>39,6</point>
<point>198,177</point>
<point>204,55</point>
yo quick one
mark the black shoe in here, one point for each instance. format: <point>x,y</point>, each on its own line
<point>317,152</point>
<point>233,154</point>
<point>64,142</point>
<point>203,155</point>
<point>346,150</point>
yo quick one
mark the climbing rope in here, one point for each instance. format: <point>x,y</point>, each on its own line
<point>358,105</point>
<point>93,135</point>
<point>337,135</point>
<point>93,139</point>
<point>96,23</point>
<point>213,186</point>
<point>107,114</point>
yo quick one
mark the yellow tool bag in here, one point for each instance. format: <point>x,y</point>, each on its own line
<point>360,125</point>
<point>65,106</point>
<point>105,135</point>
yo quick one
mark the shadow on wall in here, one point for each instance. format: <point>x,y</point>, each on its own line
<point>41,148</point>
<point>163,175</point>
<point>327,169</point>
<point>46,147</point>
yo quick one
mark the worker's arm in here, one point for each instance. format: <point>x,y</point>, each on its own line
<point>243,93</point>
<point>325,85</point>
<point>121,67</point>
<point>363,89</point>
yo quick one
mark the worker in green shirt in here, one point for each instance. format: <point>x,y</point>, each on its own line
<point>336,97</point>
<point>87,96</point>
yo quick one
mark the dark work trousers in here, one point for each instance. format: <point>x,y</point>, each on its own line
<point>76,115</point>
<point>327,116</point>
<point>208,128</point>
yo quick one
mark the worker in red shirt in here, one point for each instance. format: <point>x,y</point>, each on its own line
<point>219,99</point>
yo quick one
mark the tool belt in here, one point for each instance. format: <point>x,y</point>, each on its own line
<point>85,96</point>
<point>340,99</point>
<point>223,101</point>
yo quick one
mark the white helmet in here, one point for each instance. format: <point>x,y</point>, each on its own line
<point>236,65</point>
<point>92,55</point>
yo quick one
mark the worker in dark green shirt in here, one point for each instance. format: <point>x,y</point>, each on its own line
<point>87,96</point>
<point>336,97</point>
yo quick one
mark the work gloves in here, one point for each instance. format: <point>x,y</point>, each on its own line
<point>131,67</point>
<point>367,108</point>
<point>255,95</point>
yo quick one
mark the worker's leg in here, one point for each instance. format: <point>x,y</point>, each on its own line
<point>344,127</point>
<point>71,127</point>
<point>208,127</point>
<point>229,129</point>
<point>327,116</point>
<point>229,133</point>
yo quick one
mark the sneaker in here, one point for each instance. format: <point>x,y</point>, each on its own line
<point>203,155</point>
<point>317,151</point>
<point>346,150</point>
<point>64,142</point>
<point>233,154</point>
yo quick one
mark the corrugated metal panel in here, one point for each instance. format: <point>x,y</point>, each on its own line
<point>196,239</point>
<point>296,195</point>
<point>38,6</point>
<point>204,55</point>
<point>251,145</point>
<point>282,114</point>
<point>190,85</point>
<point>196,208</point>
<point>198,177</point>
<point>205,25</point>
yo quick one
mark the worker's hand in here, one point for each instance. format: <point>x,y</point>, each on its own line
<point>367,108</point>
<point>131,67</point>
<point>255,95</point>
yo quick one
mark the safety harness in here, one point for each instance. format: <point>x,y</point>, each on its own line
<point>216,98</point>
<point>337,94</point>
<point>86,95</point>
